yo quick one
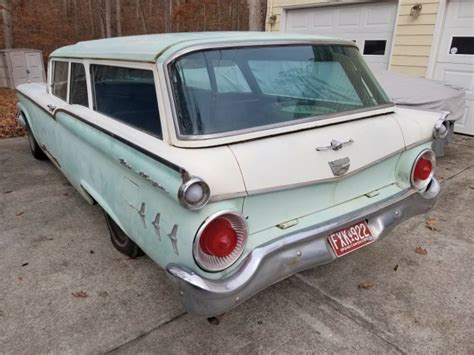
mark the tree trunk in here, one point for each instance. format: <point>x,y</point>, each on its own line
<point>256,15</point>
<point>76,25</point>
<point>108,25</point>
<point>142,15</point>
<point>101,19</point>
<point>6,8</point>
<point>118,10</point>
<point>167,16</point>
<point>91,18</point>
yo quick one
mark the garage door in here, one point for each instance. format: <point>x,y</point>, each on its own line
<point>371,26</point>
<point>455,62</point>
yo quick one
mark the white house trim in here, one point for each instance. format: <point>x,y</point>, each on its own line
<point>438,32</point>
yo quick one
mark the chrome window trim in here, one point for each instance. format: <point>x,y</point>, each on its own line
<point>92,104</point>
<point>268,128</point>
<point>53,69</point>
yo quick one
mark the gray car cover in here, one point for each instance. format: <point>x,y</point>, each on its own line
<point>415,92</point>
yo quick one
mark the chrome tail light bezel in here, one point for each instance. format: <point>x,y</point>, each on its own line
<point>212,263</point>
<point>186,186</point>
<point>427,154</point>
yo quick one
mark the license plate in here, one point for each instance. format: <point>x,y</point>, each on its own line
<point>350,238</point>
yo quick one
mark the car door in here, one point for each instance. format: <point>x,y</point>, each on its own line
<point>41,117</point>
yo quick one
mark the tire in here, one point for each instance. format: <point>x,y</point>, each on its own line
<point>121,241</point>
<point>36,150</point>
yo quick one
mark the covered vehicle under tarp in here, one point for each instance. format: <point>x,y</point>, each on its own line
<point>415,92</point>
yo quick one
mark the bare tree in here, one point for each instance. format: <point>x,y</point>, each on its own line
<point>118,10</point>
<point>256,15</point>
<point>6,8</point>
<point>91,18</point>
<point>76,26</point>
<point>142,15</point>
<point>108,25</point>
<point>101,19</point>
<point>167,15</point>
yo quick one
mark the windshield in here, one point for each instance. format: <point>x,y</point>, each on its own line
<point>228,90</point>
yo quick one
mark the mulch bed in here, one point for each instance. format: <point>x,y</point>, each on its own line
<point>8,125</point>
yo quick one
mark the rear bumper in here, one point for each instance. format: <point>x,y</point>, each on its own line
<point>292,253</point>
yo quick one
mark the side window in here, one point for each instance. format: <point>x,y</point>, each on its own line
<point>78,94</point>
<point>60,71</point>
<point>127,95</point>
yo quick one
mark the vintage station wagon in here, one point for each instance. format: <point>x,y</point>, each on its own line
<point>233,160</point>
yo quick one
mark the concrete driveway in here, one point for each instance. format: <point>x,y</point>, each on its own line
<point>63,287</point>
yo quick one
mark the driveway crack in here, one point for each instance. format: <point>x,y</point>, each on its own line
<point>348,313</point>
<point>142,335</point>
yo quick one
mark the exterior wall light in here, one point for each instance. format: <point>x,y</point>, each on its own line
<point>416,10</point>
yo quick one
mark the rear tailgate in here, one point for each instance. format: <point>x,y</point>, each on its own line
<point>287,177</point>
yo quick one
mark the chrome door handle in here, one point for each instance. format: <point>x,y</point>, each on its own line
<point>335,145</point>
<point>51,107</point>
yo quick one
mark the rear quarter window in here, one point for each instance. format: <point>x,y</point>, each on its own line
<point>127,95</point>
<point>60,77</point>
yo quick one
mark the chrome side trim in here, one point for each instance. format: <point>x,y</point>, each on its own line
<point>135,146</point>
<point>292,253</point>
<point>331,179</point>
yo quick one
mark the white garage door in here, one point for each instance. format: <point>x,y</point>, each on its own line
<point>371,26</point>
<point>455,63</point>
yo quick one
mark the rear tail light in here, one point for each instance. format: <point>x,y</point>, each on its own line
<point>423,169</point>
<point>220,241</point>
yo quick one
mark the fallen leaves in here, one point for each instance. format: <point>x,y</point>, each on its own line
<point>8,125</point>
<point>421,251</point>
<point>80,294</point>
<point>365,285</point>
<point>430,223</point>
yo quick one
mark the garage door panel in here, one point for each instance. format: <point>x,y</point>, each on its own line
<point>461,14</point>
<point>381,15</point>
<point>455,62</point>
<point>354,22</point>
<point>347,18</point>
<point>321,20</point>
<point>298,21</point>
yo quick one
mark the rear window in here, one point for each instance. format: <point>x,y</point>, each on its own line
<point>127,95</point>
<point>231,90</point>
<point>60,74</point>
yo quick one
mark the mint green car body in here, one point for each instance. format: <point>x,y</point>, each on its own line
<point>134,185</point>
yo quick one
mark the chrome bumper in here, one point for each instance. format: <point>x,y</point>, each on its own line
<point>292,253</point>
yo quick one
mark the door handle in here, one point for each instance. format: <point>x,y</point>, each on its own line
<point>335,145</point>
<point>51,107</point>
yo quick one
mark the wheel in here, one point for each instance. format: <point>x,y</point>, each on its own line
<point>36,150</point>
<point>121,241</point>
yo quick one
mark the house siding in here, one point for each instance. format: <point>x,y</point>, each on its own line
<point>413,36</point>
